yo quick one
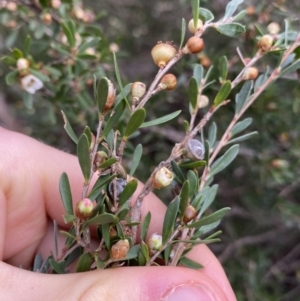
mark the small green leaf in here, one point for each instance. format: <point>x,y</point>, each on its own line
<point>114,117</point>
<point>194,182</point>
<point>65,193</point>
<point>126,91</point>
<point>88,133</point>
<point>123,213</point>
<point>167,252</point>
<point>169,219</point>
<point>242,97</point>
<point>207,152</point>
<point>208,197</point>
<point>161,120</point>
<point>58,267</point>
<point>100,183</point>
<point>292,68</point>
<point>242,138</point>
<point>44,78</point>
<point>145,226</point>
<point>214,217</point>
<point>84,263</point>
<point>17,53</point>
<point>224,161</point>
<point>190,263</point>
<point>86,56</point>
<point>240,126</point>
<point>83,153</point>
<point>101,219</point>
<point>195,11</point>
<point>38,262</point>
<point>73,256</point>
<point>94,42</point>
<point>119,77</point>
<point>69,34</point>
<point>198,73</point>
<point>128,191</point>
<point>193,92</point>
<point>66,234</point>
<point>145,252</point>
<point>193,164</point>
<point>212,134</point>
<point>223,68</point>
<point>60,49</point>
<point>133,252</point>
<point>261,79</point>
<point>8,60</point>
<point>27,45</point>
<point>231,8</point>
<point>184,196</point>
<point>240,15</point>
<point>183,28</point>
<point>135,121</point>
<point>177,171</point>
<point>223,93</point>
<point>55,232</point>
<point>136,158</point>
<point>68,128</point>
<point>259,30</point>
<point>231,29</point>
<point>206,15</point>
<point>102,92</point>
<point>105,234</point>
<point>108,163</point>
<point>11,77</point>
<point>69,218</point>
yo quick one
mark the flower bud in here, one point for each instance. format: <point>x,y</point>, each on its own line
<point>119,184</point>
<point>55,4</point>
<point>154,242</point>
<point>84,208</point>
<point>89,16</point>
<point>265,43</point>
<point>111,97</point>
<point>162,178</point>
<point>162,53</point>
<point>193,45</point>
<point>114,47</point>
<point>250,73</point>
<point>202,101</point>
<point>31,83</point>
<point>191,26</point>
<point>119,249</point>
<point>22,64</point>
<point>11,6</point>
<point>195,149</point>
<point>189,213</point>
<point>138,90</point>
<point>168,82</point>
<point>47,19</point>
<point>273,28</point>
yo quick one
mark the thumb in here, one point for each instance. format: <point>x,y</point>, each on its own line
<point>122,284</point>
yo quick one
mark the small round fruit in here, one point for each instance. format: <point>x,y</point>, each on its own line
<point>162,53</point>
<point>250,73</point>
<point>191,26</point>
<point>138,89</point>
<point>189,213</point>
<point>265,43</point>
<point>168,82</point>
<point>194,45</point>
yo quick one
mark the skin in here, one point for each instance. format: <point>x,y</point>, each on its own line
<point>30,200</point>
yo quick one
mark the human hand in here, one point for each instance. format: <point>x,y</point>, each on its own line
<point>29,200</point>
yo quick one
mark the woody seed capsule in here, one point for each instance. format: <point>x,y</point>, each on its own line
<point>193,45</point>
<point>162,178</point>
<point>265,43</point>
<point>162,53</point>
<point>168,82</point>
<point>189,213</point>
<point>138,90</point>
<point>119,249</point>
<point>191,26</point>
<point>250,73</point>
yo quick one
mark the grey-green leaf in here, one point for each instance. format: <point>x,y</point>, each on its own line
<point>194,182</point>
<point>193,92</point>
<point>161,120</point>
<point>242,96</point>
<point>231,8</point>
<point>224,161</point>
<point>183,28</point>
<point>69,34</point>
<point>205,15</point>
<point>102,92</point>
<point>8,60</point>
<point>195,10</point>
<point>223,93</point>
<point>242,138</point>
<point>292,68</point>
<point>83,153</point>
<point>212,134</point>
<point>214,217</point>
<point>65,193</point>
<point>190,263</point>
<point>101,219</point>
<point>128,191</point>
<point>84,263</point>
<point>240,126</point>
<point>177,171</point>
<point>184,196</point>
<point>100,183</point>
<point>193,164</point>
<point>145,226</point>
<point>136,158</point>
<point>108,162</point>
<point>208,197</point>
<point>198,73</point>
<point>223,64</point>
<point>11,77</point>
<point>135,121</point>
<point>119,77</point>
<point>231,29</point>
<point>133,252</point>
<point>58,267</point>
<point>169,219</point>
<point>116,115</point>
<point>43,77</point>
<point>27,45</point>
<point>68,128</point>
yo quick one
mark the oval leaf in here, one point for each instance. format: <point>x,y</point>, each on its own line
<point>193,164</point>
<point>68,128</point>
<point>161,119</point>
<point>145,226</point>
<point>108,162</point>
<point>104,218</point>
<point>184,196</point>
<point>223,68</point>
<point>194,183</point>
<point>193,92</point>
<point>84,263</point>
<point>231,8</point>
<point>135,121</point>
<point>11,77</point>
<point>65,193</point>
<point>223,93</point>
<point>83,153</point>
<point>170,218</point>
<point>231,29</point>
<point>242,97</point>
<point>136,158</point>
<point>190,263</point>
<point>240,126</point>
<point>101,93</point>
<point>128,191</point>
<point>177,171</point>
<point>205,15</point>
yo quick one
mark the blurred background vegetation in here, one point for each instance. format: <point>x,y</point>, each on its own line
<point>260,246</point>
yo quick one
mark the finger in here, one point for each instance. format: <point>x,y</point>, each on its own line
<point>122,284</point>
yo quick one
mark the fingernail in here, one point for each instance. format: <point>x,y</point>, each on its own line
<point>188,292</point>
